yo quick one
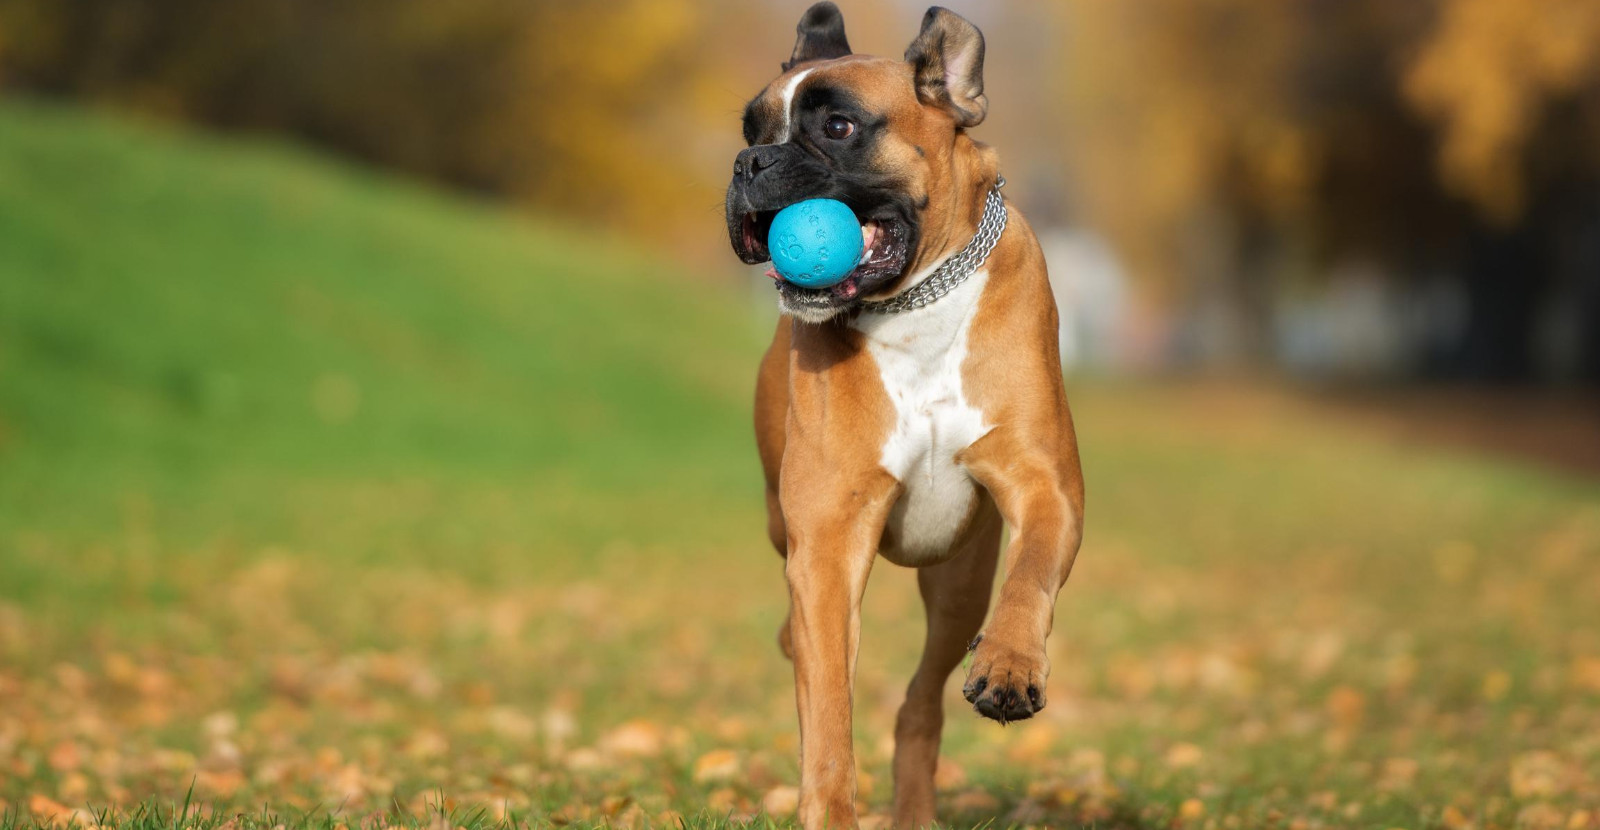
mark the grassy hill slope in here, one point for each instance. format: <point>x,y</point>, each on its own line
<point>199,319</point>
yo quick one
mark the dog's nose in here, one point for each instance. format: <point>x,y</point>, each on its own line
<point>751,161</point>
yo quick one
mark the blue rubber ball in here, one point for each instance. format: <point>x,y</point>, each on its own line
<point>815,243</point>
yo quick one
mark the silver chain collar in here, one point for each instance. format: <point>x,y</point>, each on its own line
<point>955,270</point>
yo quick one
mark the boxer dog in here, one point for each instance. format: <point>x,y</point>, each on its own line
<point>912,410</point>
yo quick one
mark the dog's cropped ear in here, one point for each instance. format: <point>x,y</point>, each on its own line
<point>947,61</point>
<point>821,33</point>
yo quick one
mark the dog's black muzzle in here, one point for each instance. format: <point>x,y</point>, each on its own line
<point>766,179</point>
<point>770,177</point>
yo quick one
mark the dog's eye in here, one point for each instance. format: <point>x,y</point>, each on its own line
<point>839,127</point>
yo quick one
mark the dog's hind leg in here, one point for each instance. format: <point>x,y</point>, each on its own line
<point>772,412</point>
<point>955,594</point>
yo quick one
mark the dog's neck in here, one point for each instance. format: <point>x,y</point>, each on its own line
<point>949,225</point>
<point>928,333</point>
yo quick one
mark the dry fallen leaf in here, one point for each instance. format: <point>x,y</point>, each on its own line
<point>1540,815</point>
<point>585,759</point>
<point>780,801</point>
<point>1453,819</point>
<point>73,787</point>
<point>219,784</point>
<point>1036,741</point>
<point>558,726</point>
<point>1321,653</point>
<point>1586,673</point>
<point>1184,755</point>
<point>223,755</point>
<point>55,814</point>
<point>120,669</point>
<point>716,765</point>
<point>511,724</point>
<point>1027,812</point>
<point>1346,705</point>
<point>723,800</point>
<point>1496,685</point>
<point>65,756</point>
<point>1537,775</point>
<point>426,744</point>
<point>875,821</point>
<point>1398,774</point>
<point>154,682</point>
<point>220,725</point>
<point>975,801</point>
<point>632,818</point>
<point>949,775</point>
<point>635,739</point>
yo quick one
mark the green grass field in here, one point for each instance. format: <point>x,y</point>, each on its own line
<point>331,500</point>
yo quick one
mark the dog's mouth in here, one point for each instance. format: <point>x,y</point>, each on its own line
<point>885,249</point>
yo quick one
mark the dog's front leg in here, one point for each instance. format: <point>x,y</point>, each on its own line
<point>825,586</point>
<point>1041,497</point>
<point>834,528</point>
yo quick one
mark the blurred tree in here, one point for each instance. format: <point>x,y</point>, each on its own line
<point>1515,91</point>
<point>1487,73</point>
<point>1230,148</point>
<point>541,101</point>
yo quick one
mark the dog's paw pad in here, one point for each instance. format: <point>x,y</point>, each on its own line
<point>1004,685</point>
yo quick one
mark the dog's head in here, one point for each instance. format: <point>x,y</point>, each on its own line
<point>881,135</point>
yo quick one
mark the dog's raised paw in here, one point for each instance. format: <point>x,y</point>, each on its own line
<point>1004,685</point>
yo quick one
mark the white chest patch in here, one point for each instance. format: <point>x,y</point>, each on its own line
<point>919,356</point>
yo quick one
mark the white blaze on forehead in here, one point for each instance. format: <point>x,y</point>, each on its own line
<point>787,94</point>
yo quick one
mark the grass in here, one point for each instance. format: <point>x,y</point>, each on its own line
<point>328,499</point>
